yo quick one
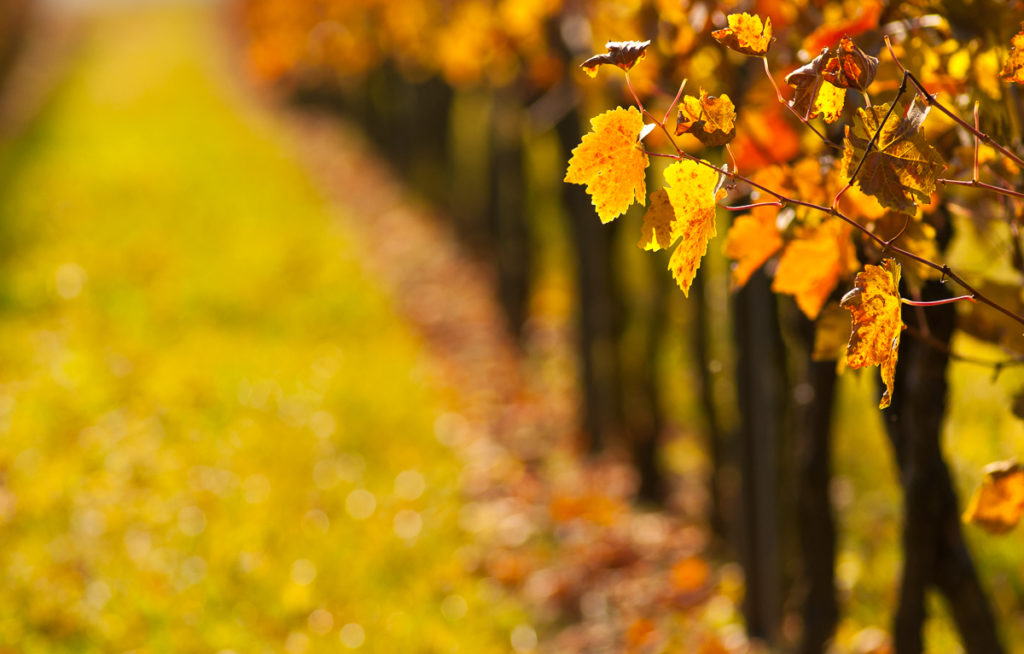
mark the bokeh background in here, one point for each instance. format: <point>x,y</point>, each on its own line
<point>306,347</point>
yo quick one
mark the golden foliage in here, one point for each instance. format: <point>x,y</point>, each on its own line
<point>1013,67</point>
<point>711,120</point>
<point>746,34</point>
<point>900,171</point>
<point>656,233</point>
<point>875,306</point>
<point>752,239</point>
<point>997,504</point>
<point>609,163</point>
<point>691,190</point>
<point>811,266</point>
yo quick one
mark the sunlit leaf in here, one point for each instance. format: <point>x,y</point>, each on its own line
<point>711,120</point>
<point>623,54</point>
<point>900,171</point>
<point>850,67</point>
<point>997,504</point>
<point>746,34</point>
<point>691,190</point>
<point>751,240</point>
<point>656,233</point>
<point>811,266</point>
<point>1013,67</point>
<point>610,164</point>
<point>829,103</point>
<point>874,303</point>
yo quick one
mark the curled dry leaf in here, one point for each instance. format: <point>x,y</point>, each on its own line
<point>623,54</point>
<point>850,67</point>
<point>876,309</point>
<point>901,169</point>
<point>609,163</point>
<point>997,504</point>
<point>746,34</point>
<point>807,80</point>
<point>1013,67</point>
<point>711,120</point>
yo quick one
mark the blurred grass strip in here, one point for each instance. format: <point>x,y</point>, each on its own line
<point>215,434</point>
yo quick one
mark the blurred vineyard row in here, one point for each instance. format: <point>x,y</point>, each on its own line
<point>479,103</point>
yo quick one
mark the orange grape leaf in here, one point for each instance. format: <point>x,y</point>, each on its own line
<point>900,171</point>
<point>746,34</point>
<point>1013,67</point>
<point>752,239</point>
<point>850,67</point>
<point>623,54</point>
<point>874,303</point>
<point>711,120</point>
<point>998,503</point>
<point>811,266</point>
<point>691,190</point>
<point>610,164</point>
<point>656,233</point>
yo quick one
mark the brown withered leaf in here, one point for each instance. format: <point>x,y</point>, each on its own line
<point>623,54</point>
<point>711,120</point>
<point>876,308</point>
<point>850,67</point>
<point>998,503</point>
<point>746,34</point>
<point>806,81</point>
<point>900,171</point>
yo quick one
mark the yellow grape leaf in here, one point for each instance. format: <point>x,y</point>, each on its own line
<point>900,171</point>
<point>746,34</point>
<point>656,234</point>
<point>711,120</point>
<point>1013,68</point>
<point>623,54</point>
<point>811,266</point>
<point>751,241</point>
<point>874,303</point>
<point>610,164</point>
<point>691,190</point>
<point>998,503</point>
<point>829,103</point>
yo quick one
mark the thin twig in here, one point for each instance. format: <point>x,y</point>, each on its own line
<point>744,207</point>
<point>803,119</point>
<point>982,185</point>
<point>932,101</point>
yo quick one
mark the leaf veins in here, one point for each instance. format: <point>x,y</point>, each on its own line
<point>900,171</point>
<point>746,34</point>
<point>686,212</point>
<point>711,120</point>
<point>609,163</point>
<point>875,305</point>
